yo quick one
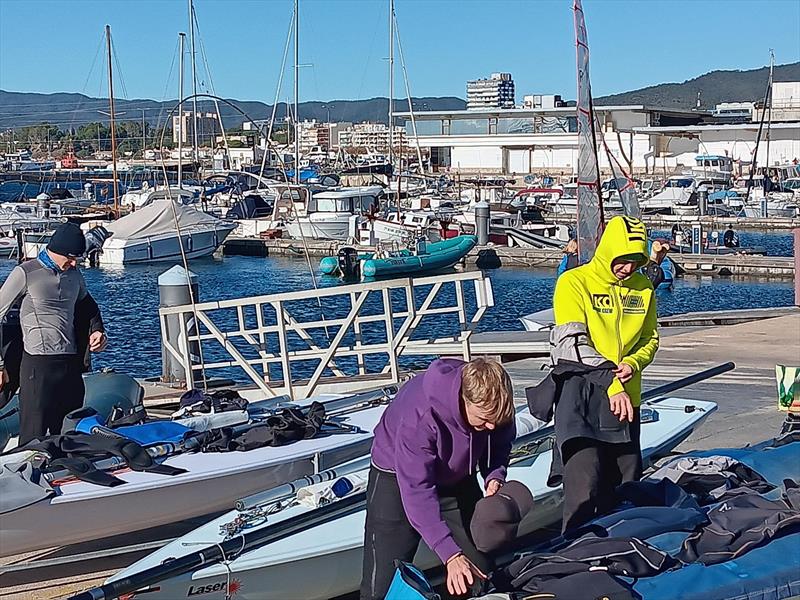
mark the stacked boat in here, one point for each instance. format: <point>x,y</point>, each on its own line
<point>266,547</point>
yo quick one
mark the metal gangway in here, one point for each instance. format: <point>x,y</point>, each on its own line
<point>351,336</point>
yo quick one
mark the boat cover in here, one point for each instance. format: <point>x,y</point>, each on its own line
<point>158,218</point>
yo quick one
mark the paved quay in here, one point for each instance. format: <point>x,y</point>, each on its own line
<point>747,414</point>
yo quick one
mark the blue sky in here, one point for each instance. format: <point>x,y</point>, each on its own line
<point>54,45</point>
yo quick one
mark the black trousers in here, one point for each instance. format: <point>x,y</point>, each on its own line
<point>49,388</point>
<point>592,470</point>
<point>389,536</point>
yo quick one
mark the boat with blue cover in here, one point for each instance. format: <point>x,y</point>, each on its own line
<point>425,257</point>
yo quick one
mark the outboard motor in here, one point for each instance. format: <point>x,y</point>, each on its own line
<point>349,264</point>
<point>95,238</point>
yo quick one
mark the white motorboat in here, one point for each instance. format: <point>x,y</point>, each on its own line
<point>150,234</point>
<point>402,227</point>
<point>335,214</point>
<point>79,511</point>
<point>332,551</point>
<point>146,194</point>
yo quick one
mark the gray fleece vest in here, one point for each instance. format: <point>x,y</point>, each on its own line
<point>47,313</point>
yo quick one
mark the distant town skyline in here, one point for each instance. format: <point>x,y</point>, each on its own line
<point>344,45</point>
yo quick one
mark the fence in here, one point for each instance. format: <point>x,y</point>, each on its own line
<point>293,342</point>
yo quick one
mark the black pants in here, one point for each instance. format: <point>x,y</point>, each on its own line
<point>389,536</point>
<point>592,470</point>
<point>12,357</point>
<point>50,387</point>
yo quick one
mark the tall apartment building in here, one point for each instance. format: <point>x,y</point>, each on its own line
<point>495,92</point>
<point>207,128</point>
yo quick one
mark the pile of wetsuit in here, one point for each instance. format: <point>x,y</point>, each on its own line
<point>709,525</point>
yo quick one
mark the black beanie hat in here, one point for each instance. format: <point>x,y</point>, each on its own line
<point>497,517</point>
<point>67,240</point>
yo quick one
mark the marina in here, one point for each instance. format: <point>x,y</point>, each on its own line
<point>739,420</point>
<point>486,340</point>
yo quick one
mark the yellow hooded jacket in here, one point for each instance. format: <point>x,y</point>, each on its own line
<point>619,315</point>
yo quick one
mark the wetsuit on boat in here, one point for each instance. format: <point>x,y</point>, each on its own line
<point>620,316</point>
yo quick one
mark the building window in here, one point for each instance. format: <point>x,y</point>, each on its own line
<point>446,127</point>
<point>469,127</point>
<point>493,126</point>
<point>515,126</point>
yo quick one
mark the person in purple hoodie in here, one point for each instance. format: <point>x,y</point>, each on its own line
<point>444,427</point>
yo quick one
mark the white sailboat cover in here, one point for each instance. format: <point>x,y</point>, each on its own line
<point>158,218</point>
<point>589,210</point>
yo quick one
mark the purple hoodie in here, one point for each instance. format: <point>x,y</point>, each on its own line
<point>423,439</point>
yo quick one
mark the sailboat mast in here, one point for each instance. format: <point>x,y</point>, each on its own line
<point>111,122</point>
<point>182,38</point>
<point>195,138</point>
<point>753,162</point>
<point>391,86</point>
<point>769,106</point>
<point>296,92</point>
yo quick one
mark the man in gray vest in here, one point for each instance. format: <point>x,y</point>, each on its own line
<point>50,287</point>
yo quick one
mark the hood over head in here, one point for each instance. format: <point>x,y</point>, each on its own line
<point>623,236</point>
<point>442,386</point>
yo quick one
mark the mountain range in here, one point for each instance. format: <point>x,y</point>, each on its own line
<point>18,109</point>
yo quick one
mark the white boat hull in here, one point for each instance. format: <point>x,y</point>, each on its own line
<point>325,561</point>
<point>320,226</point>
<point>196,244</point>
<point>83,511</point>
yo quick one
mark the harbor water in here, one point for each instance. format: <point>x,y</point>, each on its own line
<point>129,299</point>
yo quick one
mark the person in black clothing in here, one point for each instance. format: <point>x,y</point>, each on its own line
<point>730,239</point>
<point>87,319</point>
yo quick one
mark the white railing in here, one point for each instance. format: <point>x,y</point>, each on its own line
<point>354,331</point>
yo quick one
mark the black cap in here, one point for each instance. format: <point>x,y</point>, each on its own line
<point>67,240</point>
<point>497,517</point>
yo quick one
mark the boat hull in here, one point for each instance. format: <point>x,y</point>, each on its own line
<point>213,481</point>
<point>440,255</point>
<point>333,552</point>
<point>164,248</point>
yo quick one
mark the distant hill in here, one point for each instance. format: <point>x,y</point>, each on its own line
<point>18,109</point>
<point>714,87</point>
<point>66,110</point>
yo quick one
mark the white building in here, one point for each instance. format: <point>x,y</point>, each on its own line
<point>538,139</point>
<point>495,92</point>
<point>674,146</point>
<point>207,128</point>
<point>372,136</point>
<point>785,101</point>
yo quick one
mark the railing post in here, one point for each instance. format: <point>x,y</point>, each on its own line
<point>797,266</point>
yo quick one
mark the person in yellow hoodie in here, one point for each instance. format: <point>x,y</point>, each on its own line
<point>617,305</point>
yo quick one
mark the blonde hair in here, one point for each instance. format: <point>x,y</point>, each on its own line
<point>485,383</point>
<point>571,247</point>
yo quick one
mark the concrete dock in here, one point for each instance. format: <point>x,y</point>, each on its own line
<point>494,256</point>
<point>747,414</point>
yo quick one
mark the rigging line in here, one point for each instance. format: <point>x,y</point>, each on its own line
<point>175,53</point>
<point>119,68</point>
<point>211,83</point>
<point>175,214</point>
<point>79,103</point>
<point>360,95</point>
<point>408,95</point>
<point>277,98</point>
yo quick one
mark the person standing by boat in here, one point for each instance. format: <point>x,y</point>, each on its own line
<point>444,427</point>
<point>617,306</point>
<point>50,289</point>
<point>570,259</point>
